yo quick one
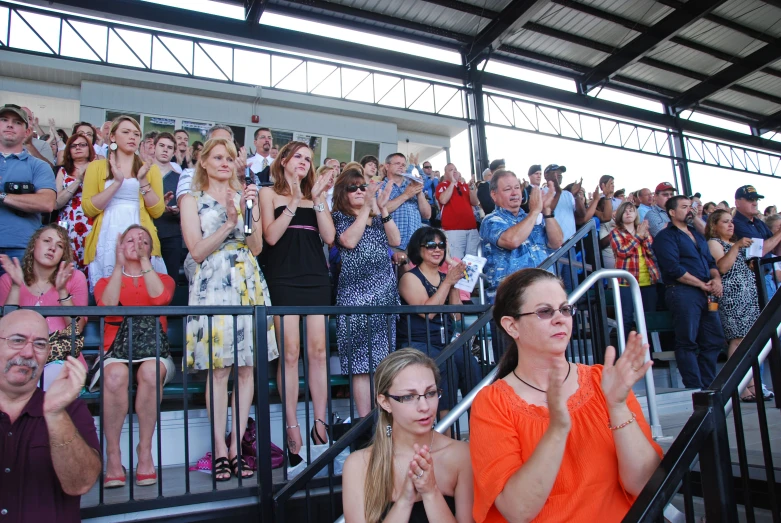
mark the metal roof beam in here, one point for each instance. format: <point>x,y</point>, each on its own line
<point>490,37</point>
<point>388,21</point>
<point>771,123</point>
<point>253,10</point>
<point>568,37</point>
<point>465,8</point>
<point>726,78</point>
<point>774,3</point>
<point>635,49</point>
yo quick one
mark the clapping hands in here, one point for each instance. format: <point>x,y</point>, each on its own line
<point>618,377</point>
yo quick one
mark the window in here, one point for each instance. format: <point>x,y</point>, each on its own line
<point>364,148</point>
<point>238,132</point>
<point>197,130</point>
<point>342,150</point>
<point>161,125</point>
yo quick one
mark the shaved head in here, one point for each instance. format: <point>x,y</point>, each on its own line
<point>17,318</point>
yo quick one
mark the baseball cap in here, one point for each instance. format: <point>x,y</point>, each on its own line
<point>555,167</point>
<point>534,168</point>
<point>12,108</point>
<point>665,186</point>
<point>747,192</point>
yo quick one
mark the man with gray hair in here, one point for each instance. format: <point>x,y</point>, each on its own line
<point>511,238</point>
<point>49,449</point>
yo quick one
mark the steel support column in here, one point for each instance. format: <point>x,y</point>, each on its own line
<point>679,159</point>
<point>476,115</point>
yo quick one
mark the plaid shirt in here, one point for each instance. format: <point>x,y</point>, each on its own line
<point>407,216</point>
<point>501,262</point>
<point>627,247</point>
<point>657,219</point>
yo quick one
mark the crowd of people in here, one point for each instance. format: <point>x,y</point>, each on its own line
<point>126,213</point>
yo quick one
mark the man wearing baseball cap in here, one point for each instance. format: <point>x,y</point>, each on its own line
<point>657,217</point>
<point>747,225</point>
<point>27,185</point>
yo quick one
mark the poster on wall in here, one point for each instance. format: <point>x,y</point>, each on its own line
<point>313,141</point>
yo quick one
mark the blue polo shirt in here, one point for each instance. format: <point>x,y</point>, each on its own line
<point>16,227</point>
<point>677,254</point>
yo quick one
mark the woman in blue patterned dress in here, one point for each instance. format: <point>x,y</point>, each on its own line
<point>227,274</point>
<point>364,229</point>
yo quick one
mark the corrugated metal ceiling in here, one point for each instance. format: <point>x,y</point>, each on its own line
<point>576,35</point>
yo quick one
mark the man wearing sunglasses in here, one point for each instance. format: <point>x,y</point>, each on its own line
<point>49,449</point>
<point>458,219</point>
<point>511,238</point>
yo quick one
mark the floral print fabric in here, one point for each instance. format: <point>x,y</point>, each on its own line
<point>228,276</point>
<point>79,224</point>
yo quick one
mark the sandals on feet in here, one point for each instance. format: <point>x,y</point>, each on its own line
<point>244,468</point>
<point>221,467</point>
<point>316,439</point>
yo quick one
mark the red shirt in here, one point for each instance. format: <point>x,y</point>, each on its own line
<point>131,296</point>
<point>29,487</point>
<point>457,213</point>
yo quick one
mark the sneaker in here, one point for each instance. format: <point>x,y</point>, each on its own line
<point>767,394</point>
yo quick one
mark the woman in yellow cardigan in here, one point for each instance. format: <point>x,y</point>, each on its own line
<point>118,192</point>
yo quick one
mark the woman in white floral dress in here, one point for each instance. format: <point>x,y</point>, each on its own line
<point>227,274</point>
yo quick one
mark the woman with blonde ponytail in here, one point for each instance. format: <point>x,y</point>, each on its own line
<point>409,473</point>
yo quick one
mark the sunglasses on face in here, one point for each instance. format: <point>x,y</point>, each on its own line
<point>435,245</point>
<point>546,313</point>
<point>353,188</point>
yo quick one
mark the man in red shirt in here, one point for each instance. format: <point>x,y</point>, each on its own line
<point>458,217</point>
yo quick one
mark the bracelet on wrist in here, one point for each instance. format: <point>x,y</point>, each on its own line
<point>66,298</point>
<point>288,212</point>
<point>387,219</point>
<point>624,424</point>
<point>60,445</point>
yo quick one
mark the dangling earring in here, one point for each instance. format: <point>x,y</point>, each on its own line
<point>113,146</point>
<point>388,430</point>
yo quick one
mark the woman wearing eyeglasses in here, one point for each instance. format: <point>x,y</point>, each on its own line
<point>425,285</point>
<point>78,154</point>
<point>410,472</point>
<point>551,440</point>
<point>364,229</point>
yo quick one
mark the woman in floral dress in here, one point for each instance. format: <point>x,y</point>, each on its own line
<point>78,154</point>
<point>227,274</point>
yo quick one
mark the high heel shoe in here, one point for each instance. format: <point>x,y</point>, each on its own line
<point>293,459</point>
<point>316,439</point>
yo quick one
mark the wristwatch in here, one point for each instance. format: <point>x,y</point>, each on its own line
<point>320,207</point>
<point>546,216</point>
<point>2,197</point>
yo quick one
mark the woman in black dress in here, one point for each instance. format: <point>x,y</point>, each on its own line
<point>364,230</point>
<point>296,222</point>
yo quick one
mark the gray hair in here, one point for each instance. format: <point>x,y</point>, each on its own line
<point>770,220</point>
<point>498,175</point>
<point>390,156</point>
<point>218,127</point>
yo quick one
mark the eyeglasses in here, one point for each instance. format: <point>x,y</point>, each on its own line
<point>546,313</point>
<point>427,167</point>
<point>409,398</point>
<point>79,145</point>
<point>435,245</point>
<point>353,188</point>
<point>17,342</point>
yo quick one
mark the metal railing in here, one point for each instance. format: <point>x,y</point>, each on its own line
<point>701,460</point>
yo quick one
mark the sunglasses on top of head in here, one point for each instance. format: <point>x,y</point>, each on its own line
<point>435,245</point>
<point>353,188</point>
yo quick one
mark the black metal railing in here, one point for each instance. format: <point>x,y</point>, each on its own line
<point>701,461</point>
<point>573,263</point>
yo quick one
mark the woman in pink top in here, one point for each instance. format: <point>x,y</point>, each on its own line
<point>46,277</point>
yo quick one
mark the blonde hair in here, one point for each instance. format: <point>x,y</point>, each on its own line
<point>322,170</point>
<point>137,161</point>
<point>353,165</point>
<point>379,477</point>
<point>201,178</point>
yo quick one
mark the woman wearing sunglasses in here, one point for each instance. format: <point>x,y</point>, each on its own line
<point>547,426</point>
<point>363,230</point>
<point>425,285</point>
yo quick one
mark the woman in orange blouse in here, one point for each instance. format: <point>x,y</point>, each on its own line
<point>632,248</point>
<point>552,440</point>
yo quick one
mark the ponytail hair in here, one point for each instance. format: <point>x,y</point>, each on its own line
<point>379,477</point>
<point>510,298</point>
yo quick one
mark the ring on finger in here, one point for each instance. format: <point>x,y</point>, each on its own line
<point>419,475</point>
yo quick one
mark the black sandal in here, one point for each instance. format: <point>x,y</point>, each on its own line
<point>751,397</point>
<point>244,468</point>
<point>316,439</point>
<point>221,466</point>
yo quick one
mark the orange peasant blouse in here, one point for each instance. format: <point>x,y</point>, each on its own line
<point>505,430</point>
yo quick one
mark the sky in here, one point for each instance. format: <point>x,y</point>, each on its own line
<point>632,171</point>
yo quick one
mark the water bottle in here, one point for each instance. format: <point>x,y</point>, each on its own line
<point>713,303</point>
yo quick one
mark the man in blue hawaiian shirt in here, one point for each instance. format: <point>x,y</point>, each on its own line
<point>511,238</point>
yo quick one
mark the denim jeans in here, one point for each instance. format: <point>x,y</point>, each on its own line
<point>648,293</point>
<point>699,336</point>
